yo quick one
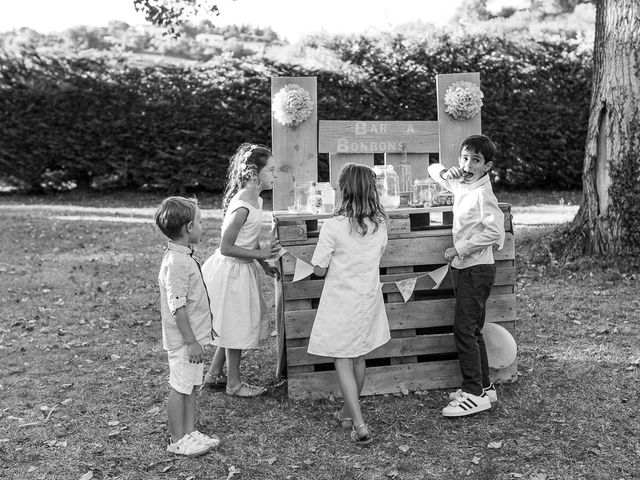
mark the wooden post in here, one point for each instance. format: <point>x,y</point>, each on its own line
<point>295,149</point>
<point>453,131</point>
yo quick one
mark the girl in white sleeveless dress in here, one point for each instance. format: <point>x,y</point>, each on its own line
<point>231,274</point>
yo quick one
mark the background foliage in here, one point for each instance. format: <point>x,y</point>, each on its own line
<point>101,119</point>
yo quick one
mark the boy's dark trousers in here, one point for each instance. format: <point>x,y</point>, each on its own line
<point>472,290</point>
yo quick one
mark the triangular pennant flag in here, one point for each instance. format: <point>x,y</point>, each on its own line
<point>438,275</point>
<point>406,287</point>
<point>303,270</point>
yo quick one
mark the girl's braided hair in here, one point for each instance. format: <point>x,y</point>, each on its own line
<point>244,166</point>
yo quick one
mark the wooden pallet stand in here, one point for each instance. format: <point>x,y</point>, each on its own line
<point>421,354</point>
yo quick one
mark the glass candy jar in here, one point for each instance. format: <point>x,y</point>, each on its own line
<point>424,192</point>
<point>388,186</point>
<point>444,199</point>
<point>328,196</point>
<point>302,196</point>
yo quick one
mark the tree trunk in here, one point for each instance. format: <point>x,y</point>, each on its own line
<point>609,217</point>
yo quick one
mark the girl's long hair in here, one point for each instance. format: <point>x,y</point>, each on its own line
<point>244,166</point>
<point>359,198</point>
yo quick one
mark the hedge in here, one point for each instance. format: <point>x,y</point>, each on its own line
<point>102,121</point>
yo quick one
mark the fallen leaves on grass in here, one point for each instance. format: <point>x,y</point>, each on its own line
<point>232,471</point>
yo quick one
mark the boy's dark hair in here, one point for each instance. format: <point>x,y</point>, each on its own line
<point>173,213</point>
<point>480,144</point>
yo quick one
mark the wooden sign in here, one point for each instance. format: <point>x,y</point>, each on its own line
<point>353,136</point>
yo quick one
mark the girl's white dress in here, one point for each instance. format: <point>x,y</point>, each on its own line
<point>239,313</point>
<point>351,319</point>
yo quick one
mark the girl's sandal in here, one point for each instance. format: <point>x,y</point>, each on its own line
<point>244,390</point>
<point>345,422</point>
<point>219,382</point>
<point>361,440</point>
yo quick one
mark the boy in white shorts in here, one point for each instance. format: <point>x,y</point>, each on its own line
<point>186,322</point>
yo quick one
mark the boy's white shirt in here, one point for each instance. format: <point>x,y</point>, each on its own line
<point>478,222</point>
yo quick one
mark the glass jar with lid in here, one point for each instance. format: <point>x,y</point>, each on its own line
<point>388,186</point>
<point>424,192</point>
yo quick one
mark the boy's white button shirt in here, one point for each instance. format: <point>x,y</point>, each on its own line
<point>181,285</point>
<point>478,222</point>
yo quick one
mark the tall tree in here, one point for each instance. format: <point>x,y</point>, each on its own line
<point>609,217</point>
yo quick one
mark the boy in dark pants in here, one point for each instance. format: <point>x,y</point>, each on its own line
<point>478,226</point>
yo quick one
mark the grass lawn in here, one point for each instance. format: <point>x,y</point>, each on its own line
<point>83,377</point>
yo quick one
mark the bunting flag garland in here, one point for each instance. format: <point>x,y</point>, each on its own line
<point>405,287</point>
<point>303,270</point>
<point>439,274</point>
<point>277,256</point>
<point>408,285</point>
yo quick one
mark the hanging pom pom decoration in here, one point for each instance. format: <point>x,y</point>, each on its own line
<point>463,100</point>
<point>292,105</point>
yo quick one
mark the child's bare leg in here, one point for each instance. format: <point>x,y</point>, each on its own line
<point>359,369</point>
<point>233,367</point>
<point>349,388</point>
<point>189,415</point>
<point>217,364</point>
<point>175,413</point>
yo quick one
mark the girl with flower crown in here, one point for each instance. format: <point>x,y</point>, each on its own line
<point>231,275</point>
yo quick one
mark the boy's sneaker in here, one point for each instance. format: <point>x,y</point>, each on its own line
<point>187,446</point>
<point>211,441</point>
<point>490,391</point>
<point>467,404</point>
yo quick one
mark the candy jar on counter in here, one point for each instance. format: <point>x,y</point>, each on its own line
<point>388,186</point>
<point>302,191</point>
<point>424,192</point>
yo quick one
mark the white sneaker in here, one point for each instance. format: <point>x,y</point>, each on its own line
<point>467,404</point>
<point>211,441</point>
<point>490,391</point>
<point>187,446</point>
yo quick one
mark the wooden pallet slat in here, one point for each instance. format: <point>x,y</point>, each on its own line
<point>394,348</point>
<point>412,315</point>
<point>303,228</point>
<point>295,150</point>
<point>312,288</point>
<point>422,250</point>
<point>380,380</point>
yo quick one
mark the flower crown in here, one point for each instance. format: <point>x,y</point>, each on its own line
<point>463,100</point>
<point>292,105</point>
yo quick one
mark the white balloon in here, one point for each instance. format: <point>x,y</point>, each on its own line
<point>501,346</point>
